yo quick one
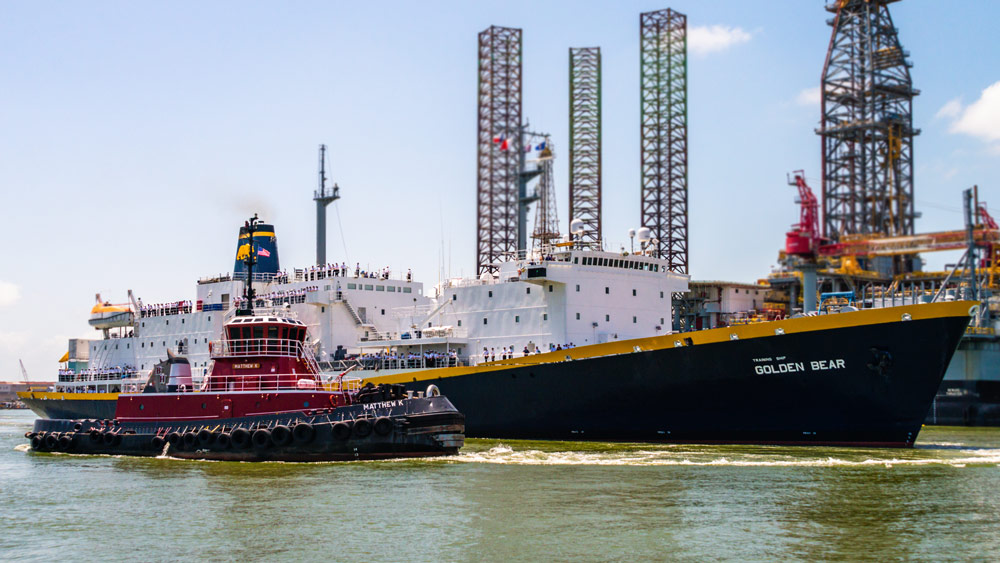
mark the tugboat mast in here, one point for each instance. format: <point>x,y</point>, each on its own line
<point>248,292</point>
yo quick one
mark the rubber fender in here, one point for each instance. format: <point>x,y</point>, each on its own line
<point>223,440</point>
<point>281,435</point>
<point>205,437</point>
<point>341,431</point>
<point>383,426</point>
<point>189,439</point>
<point>174,438</point>
<point>240,438</point>
<point>362,428</point>
<point>261,438</point>
<point>303,433</point>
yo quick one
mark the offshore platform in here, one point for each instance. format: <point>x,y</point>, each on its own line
<point>865,251</point>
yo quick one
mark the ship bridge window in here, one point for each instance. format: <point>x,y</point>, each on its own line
<point>379,288</point>
<point>392,289</point>
<point>406,290</point>
<point>368,287</point>
<point>272,332</point>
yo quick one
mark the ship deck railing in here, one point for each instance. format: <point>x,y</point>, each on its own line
<point>265,347</point>
<point>378,364</point>
<point>85,378</point>
<point>268,383</point>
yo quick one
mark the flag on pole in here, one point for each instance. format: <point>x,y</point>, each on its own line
<point>263,252</point>
<point>505,144</point>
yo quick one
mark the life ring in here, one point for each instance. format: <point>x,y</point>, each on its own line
<point>341,431</point>
<point>432,391</point>
<point>383,426</point>
<point>240,438</point>
<point>205,437</point>
<point>362,428</point>
<point>261,438</point>
<point>223,440</point>
<point>333,400</point>
<point>281,435</point>
<point>303,433</point>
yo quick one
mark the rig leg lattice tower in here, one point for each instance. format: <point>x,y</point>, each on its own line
<point>585,143</point>
<point>663,90</point>
<point>867,125</point>
<point>499,146</point>
<point>546,219</point>
<point>323,196</point>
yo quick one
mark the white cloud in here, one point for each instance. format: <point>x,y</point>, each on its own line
<point>809,96</point>
<point>952,109</point>
<point>982,117</point>
<point>703,40</point>
<point>9,293</point>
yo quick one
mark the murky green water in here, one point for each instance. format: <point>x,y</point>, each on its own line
<point>513,501</point>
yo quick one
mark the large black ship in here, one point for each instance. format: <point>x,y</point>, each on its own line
<point>863,378</point>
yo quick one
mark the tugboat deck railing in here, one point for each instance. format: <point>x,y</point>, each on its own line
<point>265,347</point>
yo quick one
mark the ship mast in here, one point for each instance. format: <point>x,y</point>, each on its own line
<point>248,293</point>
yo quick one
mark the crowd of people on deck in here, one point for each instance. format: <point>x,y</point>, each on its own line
<point>163,309</point>
<point>508,352</point>
<point>333,270</point>
<point>98,374</point>
<point>400,360</point>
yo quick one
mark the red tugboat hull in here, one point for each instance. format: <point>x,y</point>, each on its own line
<point>397,428</point>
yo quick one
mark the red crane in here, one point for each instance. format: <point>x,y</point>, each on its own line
<point>804,238</point>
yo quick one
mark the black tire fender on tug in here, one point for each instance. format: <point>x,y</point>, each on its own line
<point>65,441</point>
<point>341,431</point>
<point>205,437</point>
<point>174,438</point>
<point>189,439</point>
<point>362,427</point>
<point>303,433</point>
<point>383,426</point>
<point>95,436</point>
<point>157,442</point>
<point>281,435</point>
<point>37,442</point>
<point>50,441</point>
<point>223,440</point>
<point>261,438</point>
<point>109,438</point>
<point>240,438</point>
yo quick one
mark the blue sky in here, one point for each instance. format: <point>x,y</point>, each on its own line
<point>138,136</point>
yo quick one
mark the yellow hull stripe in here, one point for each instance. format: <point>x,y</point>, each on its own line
<point>743,332</point>
<point>60,396</point>
<point>259,234</point>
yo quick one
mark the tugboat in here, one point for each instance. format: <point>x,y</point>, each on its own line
<point>263,399</point>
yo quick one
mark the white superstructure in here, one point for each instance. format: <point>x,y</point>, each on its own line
<point>562,296</point>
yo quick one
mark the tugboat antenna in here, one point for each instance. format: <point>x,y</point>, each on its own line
<point>249,261</point>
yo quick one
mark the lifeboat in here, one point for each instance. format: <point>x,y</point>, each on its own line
<point>105,315</point>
